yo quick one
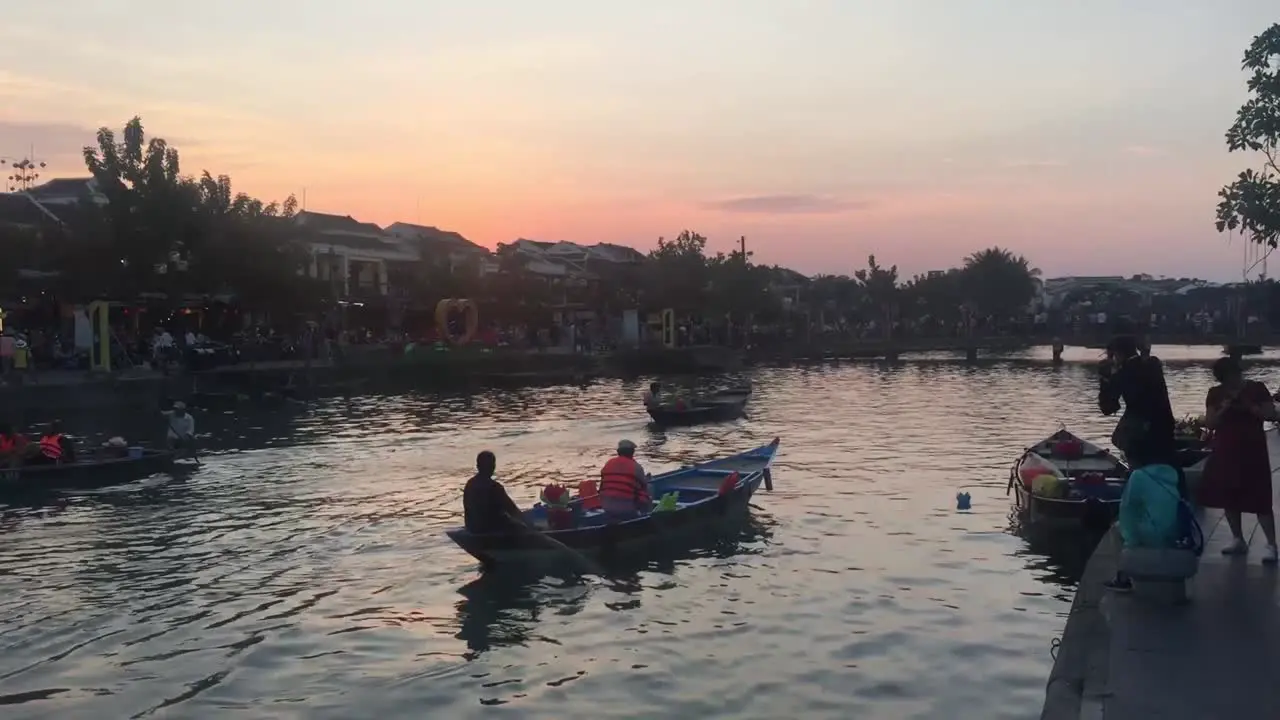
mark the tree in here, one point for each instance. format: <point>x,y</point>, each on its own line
<point>246,247</point>
<point>151,214</point>
<point>998,283</point>
<point>837,296</point>
<point>881,286</point>
<point>1251,204</point>
<point>935,300</point>
<point>678,272</point>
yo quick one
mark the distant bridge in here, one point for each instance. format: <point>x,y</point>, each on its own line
<point>972,346</point>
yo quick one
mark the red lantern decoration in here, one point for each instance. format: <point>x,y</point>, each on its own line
<point>1068,449</point>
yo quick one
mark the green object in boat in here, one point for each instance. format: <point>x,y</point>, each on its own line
<point>667,503</point>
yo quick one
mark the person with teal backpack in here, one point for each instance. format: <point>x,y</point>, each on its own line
<point>1151,513</point>
<point>1154,515</point>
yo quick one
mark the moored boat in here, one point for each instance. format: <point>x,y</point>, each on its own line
<point>718,407</point>
<point>705,495</point>
<point>1067,481</point>
<point>1192,439</point>
<point>85,474</point>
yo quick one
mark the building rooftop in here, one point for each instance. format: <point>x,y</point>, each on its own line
<point>21,209</point>
<point>433,237</point>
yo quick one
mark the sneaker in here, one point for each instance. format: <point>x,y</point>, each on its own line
<point>1237,547</point>
<point>1270,555</point>
<point>1119,585</point>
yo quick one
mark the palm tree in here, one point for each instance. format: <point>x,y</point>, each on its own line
<point>999,282</point>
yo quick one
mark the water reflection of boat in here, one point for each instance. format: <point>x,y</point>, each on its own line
<point>502,609</point>
<point>1091,481</point>
<point>717,407</point>
<point>1060,556</point>
<point>709,494</point>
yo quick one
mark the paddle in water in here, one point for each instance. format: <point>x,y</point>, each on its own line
<point>579,559</point>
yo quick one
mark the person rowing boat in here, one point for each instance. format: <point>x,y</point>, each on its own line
<point>182,429</point>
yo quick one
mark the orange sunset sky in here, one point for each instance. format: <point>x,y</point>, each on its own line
<point>1086,135</point>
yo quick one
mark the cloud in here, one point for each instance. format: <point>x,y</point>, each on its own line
<point>1032,164</point>
<point>787,205</point>
<point>53,142</point>
<point>1143,150</point>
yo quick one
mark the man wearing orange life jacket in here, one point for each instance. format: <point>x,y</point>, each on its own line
<point>624,485</point>
<point>55,447</point>
<point>12,445</point>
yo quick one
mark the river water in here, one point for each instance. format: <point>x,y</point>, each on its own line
<point>303,570</point>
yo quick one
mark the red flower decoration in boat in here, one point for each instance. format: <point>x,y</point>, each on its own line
<point>1068,449</point>
<point>555,495</point>
<point>729,483</point>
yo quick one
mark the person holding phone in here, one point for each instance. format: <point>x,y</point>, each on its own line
<point>1237,475</point>
<point>1145,432</point>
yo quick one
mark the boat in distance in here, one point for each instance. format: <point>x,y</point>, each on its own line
<point>718,407</point>
<point>88,474</point>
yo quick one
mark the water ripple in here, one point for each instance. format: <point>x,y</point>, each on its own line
<point>303,571</point>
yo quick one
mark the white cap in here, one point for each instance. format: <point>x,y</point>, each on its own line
<point>179,405</point>
<point>116,441</point>
<point>626,445</point>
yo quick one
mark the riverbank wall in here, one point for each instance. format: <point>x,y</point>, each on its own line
<point>1126,656</point>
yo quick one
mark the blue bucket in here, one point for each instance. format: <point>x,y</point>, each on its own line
<point>135,453</point>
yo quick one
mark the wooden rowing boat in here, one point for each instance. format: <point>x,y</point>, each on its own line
<point>701,502</point>
<point>83,475</point>
<point>1094,481</point>
<point>717,407</point>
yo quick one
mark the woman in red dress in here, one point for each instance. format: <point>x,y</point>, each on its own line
<point>1237,477</point>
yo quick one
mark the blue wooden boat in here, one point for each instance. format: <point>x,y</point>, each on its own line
<point>699,500</point>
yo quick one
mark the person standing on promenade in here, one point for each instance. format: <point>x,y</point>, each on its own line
<point>1145,432</point>
<point>1237,476</point>
<point>1146,428</point>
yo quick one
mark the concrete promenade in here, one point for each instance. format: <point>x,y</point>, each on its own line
<point>1217,657</point>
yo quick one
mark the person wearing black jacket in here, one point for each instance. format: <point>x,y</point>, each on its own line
<point>1146,430</point>
<point>487,508</point>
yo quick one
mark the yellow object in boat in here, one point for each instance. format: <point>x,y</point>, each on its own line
<point>1050,486</point>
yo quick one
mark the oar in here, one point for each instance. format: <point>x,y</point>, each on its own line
<point>582,560</point>
<point>193,451</point>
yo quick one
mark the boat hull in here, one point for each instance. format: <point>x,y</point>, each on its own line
<point>721,407</point>
<point>89,475</point>
<point>1086,513</point>
<point>613,540</point>
<point>707,510</point>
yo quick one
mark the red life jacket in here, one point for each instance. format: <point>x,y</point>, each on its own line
<point>51,446</point>
<point>618,482</point>
<point>8,444</point>
<point>589,494</point>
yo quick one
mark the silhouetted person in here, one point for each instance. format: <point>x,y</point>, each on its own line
<point>1145,433</point>
<point>486,506</point>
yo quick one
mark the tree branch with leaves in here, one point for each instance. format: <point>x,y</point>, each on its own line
<point>1251,204</point>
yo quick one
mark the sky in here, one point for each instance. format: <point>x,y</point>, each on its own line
<point>1086,135</point>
